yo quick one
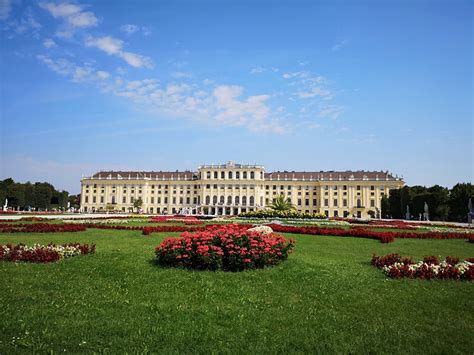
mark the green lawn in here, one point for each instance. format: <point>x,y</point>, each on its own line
<point>326,298</point>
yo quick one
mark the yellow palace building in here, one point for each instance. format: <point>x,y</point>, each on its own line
<point>229,189</point>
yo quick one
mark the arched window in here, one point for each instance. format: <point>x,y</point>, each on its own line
<point>208,200</point>
<point>237,200</point>
<point>214,200</point>
<point>222,200</point>
<point>244,200</point>
<point>113,199</point>
<point>252,175</point>
<point>237,174</point>
<point>222,175</point>
<point>252,201</point>
<point>230,174</point>
<point>229,200</point>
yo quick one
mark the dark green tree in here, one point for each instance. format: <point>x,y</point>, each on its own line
<point>458,201</point>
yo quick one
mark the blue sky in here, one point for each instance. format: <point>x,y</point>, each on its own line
<point>292,85</point>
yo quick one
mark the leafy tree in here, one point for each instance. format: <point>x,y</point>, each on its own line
<point>43,195</point>
<point>75,200</point>
<point>385,206</point>
<point>458,201</point>
<point>138,203</point>
<point>16,195</point>
<point>29,195</point>
<point>281,203</point>
<point>395,208</point>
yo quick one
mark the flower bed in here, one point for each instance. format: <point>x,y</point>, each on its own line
<point>384,237</point>
<point>97,221</point>
<point>429,268</point>
<point>223,247</point>
<point>41,228</point>
<point>282,214</point>
<point>43,254</point>
<point>161,229</point>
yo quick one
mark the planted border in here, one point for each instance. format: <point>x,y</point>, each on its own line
<point>43,254</point>
<point>395,266</point>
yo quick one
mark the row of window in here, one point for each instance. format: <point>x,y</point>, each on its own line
<point>230,175</point>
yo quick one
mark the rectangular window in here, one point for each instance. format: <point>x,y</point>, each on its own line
<point>307,202</point>
<point>158,200</point>
<point>326,202</point>
<point>358,187</point>
<point>86,199</point>
<point>101,199</point>
<point>94,199</point>
<point>124,199</point>
<point>335,202</point>
<point>314,202</point>
<point>174,200</point>
<point>299,202</point>
<point>131,199</point>
<point>166,200</point>
<point>152,200</point>
<point>336,214</point>
<point>344,203</point>
<point>372,203</point>
<point>372,187</point>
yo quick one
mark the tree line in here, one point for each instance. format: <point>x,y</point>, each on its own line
<point>34,196</point>
<point>444,204</point>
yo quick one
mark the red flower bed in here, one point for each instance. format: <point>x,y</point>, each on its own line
<point>384,237</point>
<point>41,228</point>
<point>43,254</point>
<point>223,247</point>
<point>430,268</point>
<point>161,229</point>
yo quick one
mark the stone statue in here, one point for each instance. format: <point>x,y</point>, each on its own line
<point>407,214</point>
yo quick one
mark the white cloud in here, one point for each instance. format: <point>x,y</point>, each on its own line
<point>181,75</point>
<point>146,31</point>
<point>340,43</point>
<point>314,91</point>
<point>106,44</point>
<point>136,60</point>
<point>113,46</point>
<point>257,70</point>
<point>129,29</point>
<point>49,43</point>
<point>102,75</point>
<point>260,70</point>
<point>77,73</point>
<point>5,9</point>
<point>331,111</point>
<point>73,14</point>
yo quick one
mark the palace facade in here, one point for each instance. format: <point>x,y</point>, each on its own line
<point>229,189</point>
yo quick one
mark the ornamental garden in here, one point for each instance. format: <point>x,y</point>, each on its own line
<point>253,283</point>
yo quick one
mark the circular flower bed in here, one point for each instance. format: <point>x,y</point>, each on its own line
<point>227,247</point>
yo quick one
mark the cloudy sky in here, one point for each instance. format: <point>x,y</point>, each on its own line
<point>292,85</point>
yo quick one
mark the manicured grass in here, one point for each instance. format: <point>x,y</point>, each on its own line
<point>326,298</point>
